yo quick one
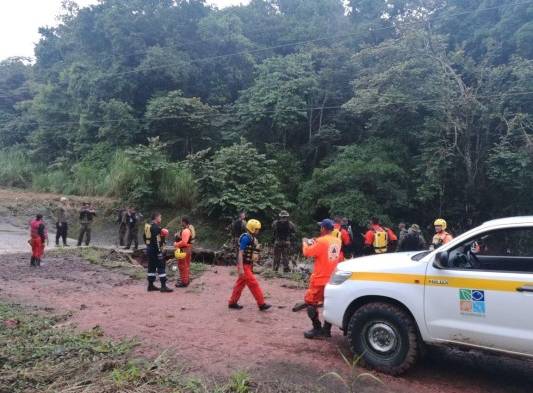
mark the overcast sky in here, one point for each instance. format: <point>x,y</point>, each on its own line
<point>20,19</point>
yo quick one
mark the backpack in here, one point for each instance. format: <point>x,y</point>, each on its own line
<point>147,233</point>
<point>381,241</point>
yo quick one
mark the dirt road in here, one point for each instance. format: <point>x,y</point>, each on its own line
<point>196,325</point>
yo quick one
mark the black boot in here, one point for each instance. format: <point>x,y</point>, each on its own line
<point>316,331</point>
<point>165,289</point>
<point>264,307</point>
<point>37,261</point>
<point>326,330</point>
<point>152,287</point>
<point>32,261</point>
<point>235,306</point>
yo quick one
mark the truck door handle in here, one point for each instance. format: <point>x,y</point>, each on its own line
<point>525,288</point>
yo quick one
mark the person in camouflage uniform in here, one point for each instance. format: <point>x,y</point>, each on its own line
<point>284,231</point>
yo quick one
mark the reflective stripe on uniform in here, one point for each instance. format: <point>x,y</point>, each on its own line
<point>151,274</point>
<point>441,281</point>
<point>162,275</point>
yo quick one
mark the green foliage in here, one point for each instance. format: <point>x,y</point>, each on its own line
<point>235,178</point>
<point>183,123</point>
<point>297,79</point>
<point>363,181</point>
<point>143,175</point>
<point>15,168</point>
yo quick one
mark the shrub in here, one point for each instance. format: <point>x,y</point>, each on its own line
<point>236,178</point>
<point>144,175</point>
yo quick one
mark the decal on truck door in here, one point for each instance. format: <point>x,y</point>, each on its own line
<point>472,301</point>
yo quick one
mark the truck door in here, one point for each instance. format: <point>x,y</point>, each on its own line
<point>483,295</point>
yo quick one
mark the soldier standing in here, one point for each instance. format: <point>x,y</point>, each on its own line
<point>61,222</point>
<point>284,231</point>
<point>87,214</point>
<point>132,222</point>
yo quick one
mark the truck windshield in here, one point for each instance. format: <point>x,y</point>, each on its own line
<point>420,255</point>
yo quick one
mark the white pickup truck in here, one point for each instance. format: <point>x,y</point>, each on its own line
<point>476,291</point>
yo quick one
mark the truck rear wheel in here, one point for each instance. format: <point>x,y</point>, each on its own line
<point>385,336</point>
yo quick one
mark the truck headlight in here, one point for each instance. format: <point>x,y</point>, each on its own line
<point>339,277</point>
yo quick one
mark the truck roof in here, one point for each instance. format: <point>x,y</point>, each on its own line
<point>509,220</point>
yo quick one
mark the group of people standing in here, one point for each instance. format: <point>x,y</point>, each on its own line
<point>155,238</point>
<point>39,232</point>
<point>86,217</point>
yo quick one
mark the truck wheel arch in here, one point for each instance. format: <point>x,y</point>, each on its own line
<point>359,302</point>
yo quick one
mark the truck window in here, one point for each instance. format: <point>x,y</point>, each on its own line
<point>506,250</point>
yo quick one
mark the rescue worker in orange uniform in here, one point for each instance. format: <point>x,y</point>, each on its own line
<point>186,239</point>
<point>326,251</point>
<point>248,254</point>
<point>379,239</point>
<point>340,231</point>
<point>38,237</point>
<point>441,236</point>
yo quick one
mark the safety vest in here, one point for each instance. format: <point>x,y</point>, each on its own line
<point>251,252</point>
<point>34,228</point>
<point>440,238</point>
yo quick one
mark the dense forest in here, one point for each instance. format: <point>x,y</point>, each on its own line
<point>401,109</point>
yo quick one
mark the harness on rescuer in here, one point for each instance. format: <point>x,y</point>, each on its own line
<point>147,233</point>
<point>251,253</point>
<point>381,241</point>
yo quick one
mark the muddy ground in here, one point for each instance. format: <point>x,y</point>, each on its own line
<point>196,326</point>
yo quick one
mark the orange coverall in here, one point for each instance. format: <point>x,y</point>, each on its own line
<point>184,265</point>
<point>326,251</point>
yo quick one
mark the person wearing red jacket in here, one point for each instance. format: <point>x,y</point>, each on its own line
<point>374,247</point>
<point>38,237</point>
<point>326,251</point>
<point>186,239</point>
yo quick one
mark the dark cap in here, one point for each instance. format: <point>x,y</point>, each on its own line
<point>327,223</point>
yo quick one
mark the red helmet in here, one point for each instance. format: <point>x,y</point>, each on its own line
<point>164,232</point>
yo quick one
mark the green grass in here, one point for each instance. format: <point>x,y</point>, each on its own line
<point>15,168</point>
<point>37,354</point>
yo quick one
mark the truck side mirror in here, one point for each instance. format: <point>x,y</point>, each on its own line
<point>441,260</point>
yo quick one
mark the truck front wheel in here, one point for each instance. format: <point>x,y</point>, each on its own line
<point>385,336</point>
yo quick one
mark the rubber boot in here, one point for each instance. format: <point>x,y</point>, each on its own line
<point>326,330</point>
<point>152,287</point>
<point>37,261</point>
<point>316,332</point>
<point>32,261</point>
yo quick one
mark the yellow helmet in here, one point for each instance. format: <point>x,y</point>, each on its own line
<point>178,254</point>
<point>253,226</point>
<point>439,222</point>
